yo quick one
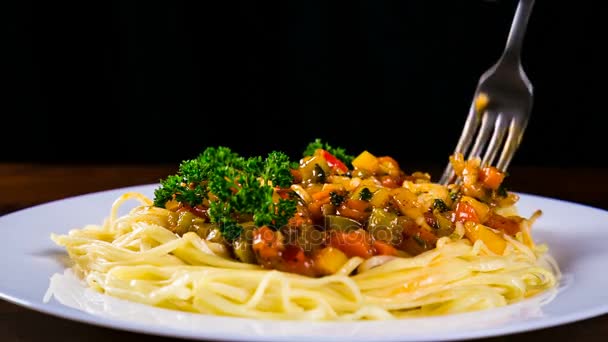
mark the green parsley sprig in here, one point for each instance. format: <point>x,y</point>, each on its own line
<point>234,186</point>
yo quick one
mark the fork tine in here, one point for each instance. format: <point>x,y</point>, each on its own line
<point>500,128</point>
<point>466,137</point>
<point>516,131</point>
<point>482,135</point>
<point>448,175</point>
<point>468,131</point>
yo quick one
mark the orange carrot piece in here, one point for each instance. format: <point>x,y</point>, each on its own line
<point>491,177</point>
<point>384,248</point>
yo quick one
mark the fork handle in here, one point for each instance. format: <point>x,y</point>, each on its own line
<point>518,30</point>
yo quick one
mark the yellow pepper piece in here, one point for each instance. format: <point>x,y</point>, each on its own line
<point>380,198</point>
<point>475,231</point>
<point>366,162</point>
<point>482,209</point>
<point>329,260</point>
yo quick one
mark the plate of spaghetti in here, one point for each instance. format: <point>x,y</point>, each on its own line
<point>330,246</point>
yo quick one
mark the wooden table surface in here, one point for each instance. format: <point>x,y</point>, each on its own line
<point>24,185</point>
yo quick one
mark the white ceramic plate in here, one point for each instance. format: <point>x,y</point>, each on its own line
<point>577,236</point>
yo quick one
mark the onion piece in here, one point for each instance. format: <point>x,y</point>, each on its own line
<point>304,195</point>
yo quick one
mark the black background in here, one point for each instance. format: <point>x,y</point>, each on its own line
<point>146,82</point>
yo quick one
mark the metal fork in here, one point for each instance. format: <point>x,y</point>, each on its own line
<point>509,94</point>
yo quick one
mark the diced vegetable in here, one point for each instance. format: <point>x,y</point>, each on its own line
<point>445,226</point>
<point>319,175</point>
<point>407,203</point>
<point>384,248</point>
<point>357,204</point>
<point>328,209</point>
<point>366,162</point>
<point>412,229</point>
<point>427,193</point>
<point>214,234</point>
<point>346,182</point>
<point>380,198</point>
<point>416,239</point>
<point>334,163</point>
<point>482,210</point>
<point>184,221</point>
<point>300,191</point>
<point>321,196</point>
<point>243,249</point>
<point>475,231</point>
<point>187,222</point>
<point>355,209</point>
<point>388,165</point>
<point>371,183</point>
<point>172,205</point>
<point>390,181</point>
<point>335,222</point>
<point>329,260</point>
<point>491,177</point>
<point>384,226</point>
<point>319,199</point>
<point>314,169</point>
<point>465,213</point>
